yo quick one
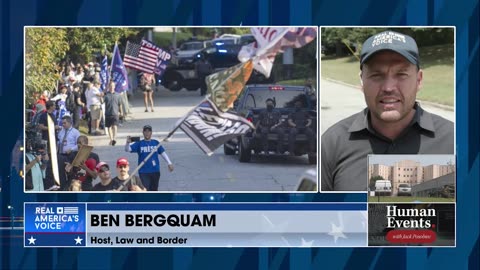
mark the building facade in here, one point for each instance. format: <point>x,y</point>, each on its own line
<point>409,172</point>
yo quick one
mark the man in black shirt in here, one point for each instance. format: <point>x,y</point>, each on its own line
<point>106,181</point>
<point>43,121</point>
<point>112,112</point>
<point>269,121</point>
<point>392,123</point>
<point>78,105</point>
<point>203,68</point>
<point>135,184</point>
<point>299,122</point>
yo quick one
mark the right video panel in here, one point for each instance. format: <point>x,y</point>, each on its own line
<point>383,91</point>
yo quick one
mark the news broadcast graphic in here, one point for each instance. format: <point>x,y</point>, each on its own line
<point>226,224</point>
<point>196,225</point>
<point>54,225</point>
<point>411,224</point>
<point>411,178</point>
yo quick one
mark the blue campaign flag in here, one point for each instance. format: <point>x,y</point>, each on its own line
<point>119,72</point>
<point>162,62</point>
<point>104,74</point>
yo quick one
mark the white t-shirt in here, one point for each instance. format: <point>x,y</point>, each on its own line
<point>92,98</point>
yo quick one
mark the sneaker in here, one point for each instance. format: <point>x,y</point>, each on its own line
<point>152,109</point>
<point>114,142</point>
<point>146,110</point>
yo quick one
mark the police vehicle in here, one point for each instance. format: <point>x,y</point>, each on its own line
<point>252,102</point>
<point>181,74</point>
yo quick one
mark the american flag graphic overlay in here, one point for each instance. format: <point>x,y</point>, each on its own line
<point>70,210</point>
<point>141,57</point>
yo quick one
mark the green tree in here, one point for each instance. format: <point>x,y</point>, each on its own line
<point>87,43</point>
<point>44,49</point>
<point>373,179</point>
<point>333,39</point>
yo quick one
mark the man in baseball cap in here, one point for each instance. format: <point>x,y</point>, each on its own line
<point>392,123</point>
<point>134,184</point>
<point>390,41</point>
<point>150,171</point>
<point>106,181</point>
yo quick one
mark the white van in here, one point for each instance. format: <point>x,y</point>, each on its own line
<point>383,188</point>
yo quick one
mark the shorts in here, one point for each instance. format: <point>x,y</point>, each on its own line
<point>146,88</point>
<point>95,112</point>
<point>111,120</point>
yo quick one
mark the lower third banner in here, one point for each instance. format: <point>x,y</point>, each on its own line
<point>195,225</point>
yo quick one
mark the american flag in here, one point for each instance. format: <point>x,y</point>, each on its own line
<point>142,57</point>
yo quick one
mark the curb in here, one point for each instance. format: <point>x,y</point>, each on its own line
<point>429,103</point>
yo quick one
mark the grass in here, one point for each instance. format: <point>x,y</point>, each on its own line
<point>408,199</point>
<point>437,63</point>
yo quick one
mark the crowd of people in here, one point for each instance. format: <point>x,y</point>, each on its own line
<point>79,96</point>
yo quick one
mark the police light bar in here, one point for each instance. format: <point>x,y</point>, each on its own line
<point>276,88</point>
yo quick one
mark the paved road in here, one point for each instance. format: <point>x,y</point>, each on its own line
<point>339,101</point>
<point>195,171</point>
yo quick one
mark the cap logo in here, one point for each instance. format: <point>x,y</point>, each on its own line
<point>387,37</point>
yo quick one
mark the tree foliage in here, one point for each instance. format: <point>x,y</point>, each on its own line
<point>355,37</point>
<point>44,49</point>
<point>48,48</point>
<point>373,179</point>
<point>87,43</point>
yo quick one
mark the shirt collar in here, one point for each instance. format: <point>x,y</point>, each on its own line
<point>421,117</point>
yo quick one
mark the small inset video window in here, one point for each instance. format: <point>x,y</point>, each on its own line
<point>411,178</point>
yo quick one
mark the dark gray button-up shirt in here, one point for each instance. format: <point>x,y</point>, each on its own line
<point>346,144</point>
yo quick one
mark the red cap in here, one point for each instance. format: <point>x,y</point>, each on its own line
<point>101,164</point>
<point>91,163</point>
<point>122,161</point>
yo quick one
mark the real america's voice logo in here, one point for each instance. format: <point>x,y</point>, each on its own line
<point>55,218</point>
<point>55,224</point>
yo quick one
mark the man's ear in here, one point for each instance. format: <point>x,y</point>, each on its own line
<point>419,79</point>
<point>360,77</point>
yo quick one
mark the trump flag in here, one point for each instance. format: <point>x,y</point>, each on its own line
<point>119,72</point>
<point>209,128</point>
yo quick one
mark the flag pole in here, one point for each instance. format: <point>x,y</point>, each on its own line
<point>113,56</point>
<point>154,151</point>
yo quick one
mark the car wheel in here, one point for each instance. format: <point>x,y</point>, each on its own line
<point>228,151</point>
<point>244,153</point>
<point>191,88</point>
<point>174,82</point>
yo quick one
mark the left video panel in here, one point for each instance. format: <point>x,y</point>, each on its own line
<point>170,109</point>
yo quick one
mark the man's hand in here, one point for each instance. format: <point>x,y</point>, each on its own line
<point>68,167</point>
<point>136,188</point>
<point>170,167</point>
<point>129,140</point>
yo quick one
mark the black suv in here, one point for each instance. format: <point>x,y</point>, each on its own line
<point>183,75</point>
<point>249,105</point>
